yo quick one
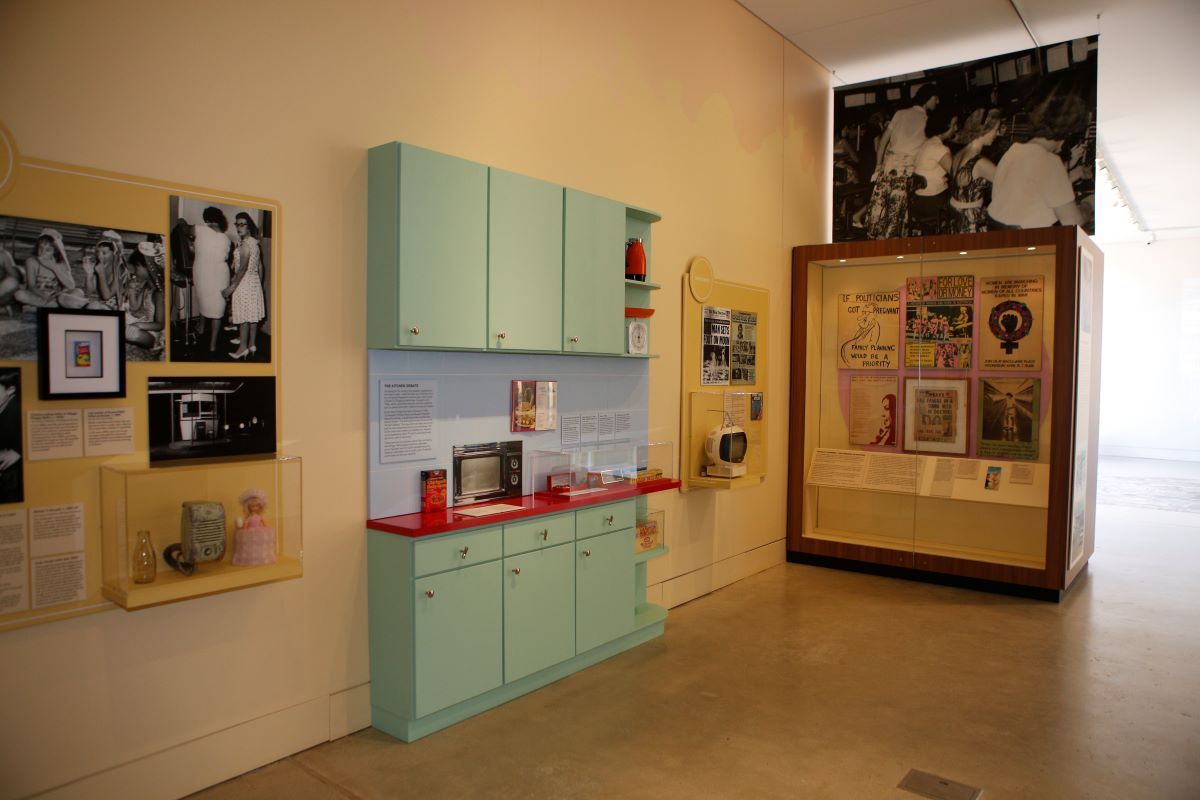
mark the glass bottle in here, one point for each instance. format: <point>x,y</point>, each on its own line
<point>145,561</point>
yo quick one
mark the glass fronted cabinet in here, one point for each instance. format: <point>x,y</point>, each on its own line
<point>944,399</point>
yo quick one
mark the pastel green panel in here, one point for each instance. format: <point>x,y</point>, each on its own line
<point>457,642</point>
<point>604,590</point>
<point>443,251</point>
<point>537,533</point>
<point>525,236</point>
<point>593,274</point>
<point>539,610</point>
<point>383,202</point>
<point>389,610</point>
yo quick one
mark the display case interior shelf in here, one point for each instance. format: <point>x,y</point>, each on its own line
<point>721,415</point>
<point>138,497</point>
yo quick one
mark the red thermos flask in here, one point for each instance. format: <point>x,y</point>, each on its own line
<point>635,260</point>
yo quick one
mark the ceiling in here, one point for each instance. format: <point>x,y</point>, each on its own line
<point>1148,118</point>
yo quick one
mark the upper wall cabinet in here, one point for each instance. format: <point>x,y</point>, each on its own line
<point>593,274</point>
<point>525,258</point>
<point>426,249</point>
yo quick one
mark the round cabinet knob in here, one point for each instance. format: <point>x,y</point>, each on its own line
<point>608,520</point>
<point>429,592</point>
<point>587,553</point>
<point>516,570</point>
<point>464,551</point>
<point>414,330</point>
<point>501,335</point>
<point>574,340</point>
<point>545,534</point>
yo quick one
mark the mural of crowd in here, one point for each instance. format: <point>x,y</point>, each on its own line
<point>1004,142</point>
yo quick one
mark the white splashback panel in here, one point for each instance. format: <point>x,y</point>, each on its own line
<point>474,402</point>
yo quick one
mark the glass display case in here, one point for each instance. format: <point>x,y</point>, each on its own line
<point>601,467</point>
<point>172,533</point>
<point>943,405</point>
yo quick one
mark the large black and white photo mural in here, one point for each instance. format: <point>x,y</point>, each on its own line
<point>1003,142</point>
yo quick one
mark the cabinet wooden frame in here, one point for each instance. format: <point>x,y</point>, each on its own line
<point>1071,247</point>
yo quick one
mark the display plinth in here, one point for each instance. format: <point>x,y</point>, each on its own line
<point>944,405</point>
<point>140,498</point>
<point>728,419</point>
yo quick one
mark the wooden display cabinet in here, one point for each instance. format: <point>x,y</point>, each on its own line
<point>985,502</point>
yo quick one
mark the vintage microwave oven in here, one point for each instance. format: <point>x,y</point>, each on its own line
<point>486,471</point>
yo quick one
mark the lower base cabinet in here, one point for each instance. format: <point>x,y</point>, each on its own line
<point>604,589</point>
<point>511,609</point>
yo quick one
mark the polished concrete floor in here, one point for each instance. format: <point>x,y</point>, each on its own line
<point>804,682</point>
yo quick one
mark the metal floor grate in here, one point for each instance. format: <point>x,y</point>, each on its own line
<point>936,787</point>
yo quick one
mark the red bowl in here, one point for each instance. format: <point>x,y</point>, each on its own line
<point>630,311</point>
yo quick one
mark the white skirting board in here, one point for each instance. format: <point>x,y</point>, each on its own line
<point>682,588</point>
<point>209,760</point>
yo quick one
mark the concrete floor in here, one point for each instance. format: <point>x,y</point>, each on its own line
<point>804,682</point>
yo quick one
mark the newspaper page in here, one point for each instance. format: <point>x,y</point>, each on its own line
<point>1009,418</point>
<point>868,330</point>
<point>873,405</point>
<point>714,371</point>
<point>744,347</point>
<point>939,321</point>
<point>935,415</point>
<point>1011,335</point>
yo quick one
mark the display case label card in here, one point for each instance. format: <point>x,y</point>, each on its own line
<point>59,579</point>
<point>107,431</point>
<point>406,420</point>
<point>837,468</point>
<point>942,484</point>
<point>868,330</point>
<point>605,426</point>
<point>55,434</point>
<point>589,427</point>
<point>1011,320</point>
<point>939,321</point>
<point>14,567</point>
<point>56,529</point>
<point>622,424</point>
<point>569,428</point>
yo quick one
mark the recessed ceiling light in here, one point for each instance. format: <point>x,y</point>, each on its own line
<point>899,256</point>
<point>1031,248</point>
<point>842,260</point>
<point>962,252</point>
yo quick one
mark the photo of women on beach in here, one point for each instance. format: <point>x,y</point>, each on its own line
<point>52,264</point>
<point>220,281</point>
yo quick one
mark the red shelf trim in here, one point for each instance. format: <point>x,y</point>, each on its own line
<point>428,523</point>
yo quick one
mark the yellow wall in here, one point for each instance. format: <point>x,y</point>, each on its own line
<point>693,108</point>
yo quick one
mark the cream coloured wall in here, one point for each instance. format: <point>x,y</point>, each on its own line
<point>691,107</point>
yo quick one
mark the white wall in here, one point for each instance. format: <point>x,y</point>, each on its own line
<point>691,107</point>
<point>1150,380</point>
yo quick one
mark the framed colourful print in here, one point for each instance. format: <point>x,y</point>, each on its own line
<point>81,354</point>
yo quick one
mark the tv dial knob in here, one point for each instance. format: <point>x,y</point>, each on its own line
<point>514,479</point>
<point>514,463</point>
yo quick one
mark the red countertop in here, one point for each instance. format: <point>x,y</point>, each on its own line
<point>426,524</point>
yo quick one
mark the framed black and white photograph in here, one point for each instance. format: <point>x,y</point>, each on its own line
<point>1004,142</point>
<point>12,467</point>
<point>65,265</point>
<point>221,257</point>
<point>81,353</point>
<point>211,418</point>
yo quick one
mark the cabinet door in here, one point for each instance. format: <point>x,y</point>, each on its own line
<point>604,589</point>
<point>457,641</point>
<point>443,251</point>
<point>593,274</point>
<point>525,236</point>
<point>539,610</point>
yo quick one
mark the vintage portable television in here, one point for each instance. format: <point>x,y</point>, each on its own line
<point>202,531</point>
<point>726,447</point>
<point>486,471</point>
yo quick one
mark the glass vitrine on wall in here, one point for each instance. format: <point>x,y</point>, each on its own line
<point>944,394</point>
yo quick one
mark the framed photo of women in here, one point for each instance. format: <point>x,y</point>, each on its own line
<point>221,281</point>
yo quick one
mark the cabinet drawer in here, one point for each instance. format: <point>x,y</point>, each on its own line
<point>521,537</point>
<point>452,552</point>
<point>603,519</point>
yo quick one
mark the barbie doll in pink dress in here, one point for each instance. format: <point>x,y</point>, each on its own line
<point>253,539</point>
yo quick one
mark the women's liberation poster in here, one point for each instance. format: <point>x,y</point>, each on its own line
<point>939,321</point>
<point>873,405</point>
<point>868,330</point>
<point>1011,338</point>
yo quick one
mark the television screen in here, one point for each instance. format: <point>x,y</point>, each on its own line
<point>733,447</point>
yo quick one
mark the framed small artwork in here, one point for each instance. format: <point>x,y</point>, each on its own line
<point>534,406</point>
<point>935,415</point>
<point>81,354</point>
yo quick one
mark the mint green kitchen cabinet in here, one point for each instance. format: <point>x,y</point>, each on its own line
<point>525,257</point>
<point>539,610</point>
<point>427,247</point>
<point>604,589</point>
<point>593,274</point>
<point>457,635</point>
<point>460,622</point>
